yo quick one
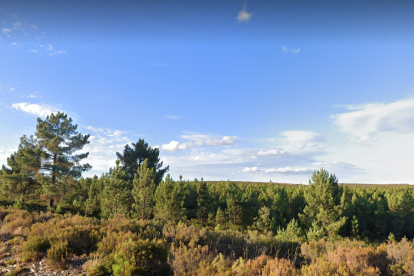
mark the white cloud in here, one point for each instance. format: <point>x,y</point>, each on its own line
<point>172,117</point>
<point>16,44</point>
<point>225,141</point>
<point>34,51</point>
<point>37,109</point>
<point>302,139</point>
<point>6,31</point>
<point>243,15</point>
<point>247,169</point>
<point>5,152</point>
<point>294,51</point>
<point>174,146</point>
<point>363,121</point>
<point>104,143</point>
<point>284,170</point>
<point>272,152</point>
<point>53,52</point>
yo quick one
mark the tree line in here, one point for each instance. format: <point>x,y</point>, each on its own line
<point>47,168</point>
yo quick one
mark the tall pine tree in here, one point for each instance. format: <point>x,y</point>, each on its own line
<point>60,141</point>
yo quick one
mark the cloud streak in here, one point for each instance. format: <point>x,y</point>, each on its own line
<point>364,121</point>
<point>280,171</point>
<point>36,109</point>
<point>294,51</point>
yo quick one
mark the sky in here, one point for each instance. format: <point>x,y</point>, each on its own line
<point>238,90</point>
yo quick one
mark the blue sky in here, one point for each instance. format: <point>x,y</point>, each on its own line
<point>254,91</point>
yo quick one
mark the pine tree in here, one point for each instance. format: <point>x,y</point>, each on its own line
<point>323,209</point>
<point>133,157</point>
<point>143,191</point>
<point>116,195</point>
<point>19,178</point>
<point>170,199</point>
<point>60,141</point>
<point>203,202</point>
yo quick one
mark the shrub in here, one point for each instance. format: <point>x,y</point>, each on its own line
<point>402,256</point>
<point>140,257</point>
<point>185,261</point>
<point>98,265</point>
<point>279,267</point>
<point>35,248</point>
<point>58,255</point>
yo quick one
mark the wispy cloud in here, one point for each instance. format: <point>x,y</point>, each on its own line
<point>243,15</point>
<point>104,143</point>
<point>363,122</point>
<point>272,171</point>
<point>225,141</point>
<point>6,30</point>
<point>272,152</point>
<point>302,139</point>
<point>294,51</point>
<point>197,140</point>
<point>53,52</point>
<point>173,117</point>
<point>36,109</point>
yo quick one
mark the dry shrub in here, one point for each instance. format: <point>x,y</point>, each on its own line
<point>402,256</point>
<point>185,261</point>
<point>79,232</point>
<point>99,265</point>
<point>220,266</point>
<point>279,267</point>
<point>256,265</point>
<point>188,235</point>
<point>146,229</point>
<point>15,221</point>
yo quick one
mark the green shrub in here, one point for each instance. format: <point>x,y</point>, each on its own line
<point>35,248</point>
<point>140,257</point>
<point>11,262</point>
<point>58,255</point>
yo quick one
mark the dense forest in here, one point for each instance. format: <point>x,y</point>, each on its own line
<point>136,220</point>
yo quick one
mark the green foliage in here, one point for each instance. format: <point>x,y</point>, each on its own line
<point>140,257</point>
<point>35,248</point>
<point>133,157</point>
<point>18,180</point>
<point>116,196</point>
<point>170,200</point>
<point>59,139</point>
<point>323,211</point>
<point>143,191</point>
<point>58,255</point>
<point>291,233</point>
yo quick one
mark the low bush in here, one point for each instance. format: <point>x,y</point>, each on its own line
<point>58,255</point>
<point>35,248</point>
<point>135,256</point>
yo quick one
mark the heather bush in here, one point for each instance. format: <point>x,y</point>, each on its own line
<point>401,255</point>
<point>35,248</point>
<point>279,267</point>
<point>185,261</point>
<point>58,255</point>
<point>135,256</point>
